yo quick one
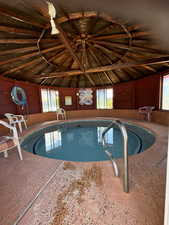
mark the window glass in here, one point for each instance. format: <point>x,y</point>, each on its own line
<point>108,135</point>
<point>53,140</point>
<point>104,98</point>
<point>50,100</point>
<point>165,93</point>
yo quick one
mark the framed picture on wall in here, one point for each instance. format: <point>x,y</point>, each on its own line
<point>86,96</point>
<point>68,100</point>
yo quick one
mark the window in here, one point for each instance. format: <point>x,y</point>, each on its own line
<point>104,98</point>
<point>50,100</point>
<point>165,93</point>
<point>53,140</point>
<point>108,135</point>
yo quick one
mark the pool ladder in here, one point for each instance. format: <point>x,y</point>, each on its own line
<point>125,150</point>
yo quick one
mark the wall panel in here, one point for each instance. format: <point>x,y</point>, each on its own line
<point>68,92</point>
<point>147,91</point>
<point>128,95</point>
<point>124,95</point>
<point>6,104</point>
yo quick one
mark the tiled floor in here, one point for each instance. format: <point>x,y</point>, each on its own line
<point>42,191</point>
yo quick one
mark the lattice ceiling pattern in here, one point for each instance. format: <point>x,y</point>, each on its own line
<point>91,49</point>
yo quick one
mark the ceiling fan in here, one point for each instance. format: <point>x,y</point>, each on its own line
<point>52,14</point>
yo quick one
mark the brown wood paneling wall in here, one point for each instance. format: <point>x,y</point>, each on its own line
<point>128,95</point>
<point>6,103</point>
<point>147,92</point>
<point>124,96</point>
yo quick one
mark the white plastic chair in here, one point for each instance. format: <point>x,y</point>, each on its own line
<point>61,112</point>
<point>16,119</point>
<point>146,110</point>
<point>9,142</point>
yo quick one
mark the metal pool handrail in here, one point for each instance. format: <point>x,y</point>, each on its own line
<point>125,149</point>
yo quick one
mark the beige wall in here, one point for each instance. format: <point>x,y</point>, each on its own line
<point>161,117</point>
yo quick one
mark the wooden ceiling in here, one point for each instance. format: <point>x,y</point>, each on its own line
<point>92,49</point>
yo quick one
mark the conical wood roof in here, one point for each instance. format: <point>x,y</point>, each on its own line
<point>92,49</point>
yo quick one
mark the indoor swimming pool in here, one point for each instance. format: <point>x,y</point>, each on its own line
<point>82,140</point>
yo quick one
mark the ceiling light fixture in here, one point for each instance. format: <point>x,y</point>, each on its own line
<point>52,14</point>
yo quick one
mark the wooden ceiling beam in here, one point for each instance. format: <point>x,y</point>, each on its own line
<point>62,74</point>
<point>71,22</point>
<point>132,48</point>
<point>108,54</point>
<point>18,50</point>
<point>69,78</point>
<point>107,51</point>
<point>147,44</point>
<point>147,49</point>
<point>116,76</point>
<point>68,45</point>
<point>131,71</point>
<point>99,62</point>
<point>135,73</point>
<point>57,55</point>
<point>135,27</point>
<point>149,68</point>
<point>121,36</point>
<point>18,30</point>
<point>123,76</point>
<point>104,28</point>
<point>21,66</point>
<point>98,74</point>
<point>30,55</point>
<point>93,24</point>
<point>26,41</point>
<point>110,67</point>
<point>85,62</point>
<point>33,70</point>
<point>46,71</point>
<point>112,44</point>
<point>18,16</point>
<point>132,59</point>
<point>65,80</point>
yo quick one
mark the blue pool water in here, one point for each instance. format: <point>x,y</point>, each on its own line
<point>81,141</point>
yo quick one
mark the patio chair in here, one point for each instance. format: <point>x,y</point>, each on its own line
<point>9,142</point>
<point>16,120</point>
<point>61,112</point>
<point>146,111</point>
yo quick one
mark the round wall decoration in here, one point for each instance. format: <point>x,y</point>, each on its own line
<point>18,96</point>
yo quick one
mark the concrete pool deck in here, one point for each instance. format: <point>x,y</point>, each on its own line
<point>43,191</point>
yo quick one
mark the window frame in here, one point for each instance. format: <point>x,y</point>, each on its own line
<point>112,98</point>
<point>161,93</point>
<point>49,90</point>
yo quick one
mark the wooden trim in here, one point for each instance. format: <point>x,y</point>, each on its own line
<point>17,16</point>
<point>26,41</point>
<point>31,55</point>
<point>68,45</point>
<point>109,68</point>
<point>121,36</point>
<point>18,30</point>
